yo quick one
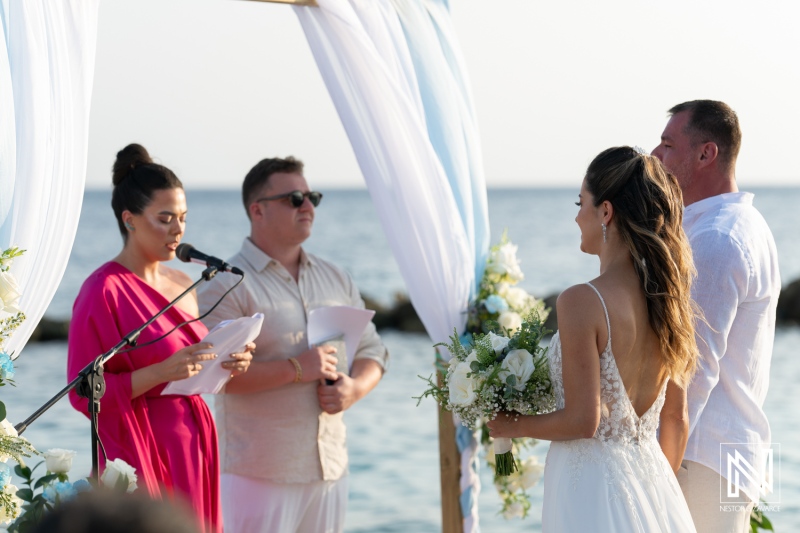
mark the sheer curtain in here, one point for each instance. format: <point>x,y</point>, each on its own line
<point>395,74</point>
<point>47,53</point>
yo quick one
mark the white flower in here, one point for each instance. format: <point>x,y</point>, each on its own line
<point>9,293</point>
<point>510,320</point>
<point>58,461</point>
<point>6,430</point>
<point>530,472</point>
<point>499,342</point>
<point>504,261</point>
<point>116,471</point>
<point>462,388</point>
<point>518,363</point>
<point>517,298</point>
<point>515,510</point>
<point>10,512</point>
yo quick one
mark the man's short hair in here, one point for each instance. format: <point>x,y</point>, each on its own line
<point>713,121</point>
<point>259,176</point>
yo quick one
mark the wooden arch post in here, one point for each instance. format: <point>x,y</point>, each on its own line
<point>449,457</point>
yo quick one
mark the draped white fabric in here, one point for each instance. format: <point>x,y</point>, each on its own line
<point>394,72</point>
<point>47,54</point>
<point>364,58</point>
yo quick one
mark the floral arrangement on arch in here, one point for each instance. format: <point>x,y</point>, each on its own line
<point>500,365</point>
<point>22,508</point>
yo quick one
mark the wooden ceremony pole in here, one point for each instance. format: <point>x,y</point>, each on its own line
<point>449,457</point>
<point>449,471</point>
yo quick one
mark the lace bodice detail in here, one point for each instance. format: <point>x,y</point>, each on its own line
<point>618,420</point>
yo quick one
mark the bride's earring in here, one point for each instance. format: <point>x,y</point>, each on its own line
<point>604,230</point>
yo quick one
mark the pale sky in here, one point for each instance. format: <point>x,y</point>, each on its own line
<point>210,87</point>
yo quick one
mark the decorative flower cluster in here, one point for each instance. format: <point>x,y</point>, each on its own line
<point>25,507</point>
<point>499,300</point>
<point>12,446</point>
<point>498,365</point>
<point>39,496</point>
<point>512,489</point>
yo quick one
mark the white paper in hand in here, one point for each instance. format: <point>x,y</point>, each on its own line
<point>228,337</point>
<point>325,323</point>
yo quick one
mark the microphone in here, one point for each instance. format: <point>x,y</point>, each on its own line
<point>187,253</point>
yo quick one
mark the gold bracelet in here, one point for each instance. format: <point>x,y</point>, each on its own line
<point>298,370</point>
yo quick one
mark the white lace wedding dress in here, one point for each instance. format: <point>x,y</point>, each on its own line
<point>619,480</point>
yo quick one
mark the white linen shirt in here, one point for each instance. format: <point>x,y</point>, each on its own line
<point>737,288</point>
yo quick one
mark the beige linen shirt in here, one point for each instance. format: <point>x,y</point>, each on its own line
<point>281,434</point>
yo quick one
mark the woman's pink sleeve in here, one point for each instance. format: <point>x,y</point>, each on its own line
<point>94,329</point>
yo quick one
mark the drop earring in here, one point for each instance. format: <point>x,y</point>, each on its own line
<point>603,225</point>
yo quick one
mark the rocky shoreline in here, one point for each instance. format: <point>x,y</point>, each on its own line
<point>401,315</point>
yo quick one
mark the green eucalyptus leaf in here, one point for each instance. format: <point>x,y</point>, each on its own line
<point>25,495</point>
<point>44,480</point>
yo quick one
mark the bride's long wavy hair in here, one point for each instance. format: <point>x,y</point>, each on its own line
<point>648,213</point>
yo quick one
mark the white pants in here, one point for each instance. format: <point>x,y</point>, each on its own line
<point>702,487</point>
<point>251,505</point>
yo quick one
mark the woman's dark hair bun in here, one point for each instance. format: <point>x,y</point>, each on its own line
<point>128,158</point>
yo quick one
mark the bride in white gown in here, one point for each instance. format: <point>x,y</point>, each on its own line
<point>621,360</point>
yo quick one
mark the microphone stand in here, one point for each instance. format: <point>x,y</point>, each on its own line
<point>89,383</point>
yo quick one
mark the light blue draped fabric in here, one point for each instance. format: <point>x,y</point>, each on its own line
<point>449,113</point>
<point>46,72</point>
<point>395,74</point>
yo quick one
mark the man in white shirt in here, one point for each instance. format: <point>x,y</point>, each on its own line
<point>282,436</point>
<point>737,290</point>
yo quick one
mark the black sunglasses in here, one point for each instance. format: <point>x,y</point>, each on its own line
<point>296,198</point>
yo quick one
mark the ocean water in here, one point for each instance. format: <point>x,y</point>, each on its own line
<point>394,481</point>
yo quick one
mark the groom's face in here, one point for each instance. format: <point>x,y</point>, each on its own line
<point>676,151</point>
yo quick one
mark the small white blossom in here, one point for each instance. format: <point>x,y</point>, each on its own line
<point>9,293</point>
<point>510,321</point>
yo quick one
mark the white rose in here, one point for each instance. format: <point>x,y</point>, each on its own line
<point>462,388</point>
<point>9,293</point>
<point>504,262</point>
<point>530,472</point>
<point>517,298</point>
<point>518,363</point>
<point>58,461</point>
<point>499,342</point>
<point>515,510</point>
<point>117,470</point>
<point>510,320</point>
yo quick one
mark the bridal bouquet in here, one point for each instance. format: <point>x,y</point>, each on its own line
<point>493,373</point>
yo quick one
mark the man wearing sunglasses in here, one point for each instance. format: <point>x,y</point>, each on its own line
<point>282,437</point>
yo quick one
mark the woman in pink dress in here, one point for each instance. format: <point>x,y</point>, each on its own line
<point>171,440</point>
